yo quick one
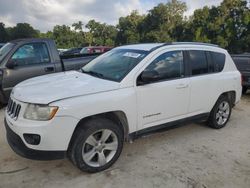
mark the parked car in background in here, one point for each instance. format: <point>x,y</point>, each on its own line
<point>71,51</point>
<point>1,45</point>
<point>95,49</point>
<point>60,50</point>
<point>122,94</point>
<point>242,61</point>
<point>27,58</point>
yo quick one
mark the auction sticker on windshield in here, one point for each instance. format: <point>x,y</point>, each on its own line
<point>132,54</point>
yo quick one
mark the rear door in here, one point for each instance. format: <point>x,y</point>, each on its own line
<point>205,82</point>
<point>29,60</point>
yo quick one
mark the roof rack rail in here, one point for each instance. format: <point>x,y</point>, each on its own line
<point>183,43</point>
<point>195,43</point>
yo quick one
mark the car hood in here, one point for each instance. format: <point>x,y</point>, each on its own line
<point>49,88</point>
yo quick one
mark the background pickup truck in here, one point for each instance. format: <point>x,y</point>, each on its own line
<point>27,58</point>
<point>242,62</point>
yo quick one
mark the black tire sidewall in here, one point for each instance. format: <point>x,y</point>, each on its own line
<point>89,128</point>
<point>212,119</point>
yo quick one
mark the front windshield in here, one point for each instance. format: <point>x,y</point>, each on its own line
<point>5,50</point>
<point>115,64</point>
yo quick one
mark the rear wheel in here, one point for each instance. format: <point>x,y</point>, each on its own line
<point>97,145</point>
<point>220,113</point>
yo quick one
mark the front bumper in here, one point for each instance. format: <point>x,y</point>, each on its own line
<point>20,148</point>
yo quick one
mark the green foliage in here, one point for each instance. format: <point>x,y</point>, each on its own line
<point>227,25</point>
<point>161,21</point>
<point>3,33</point>
<point>23,30</point>
<point>129,29</point>
<point>102,34</point>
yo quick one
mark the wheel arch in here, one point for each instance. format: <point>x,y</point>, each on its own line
<point>118,117</point>
<point>231,96</point>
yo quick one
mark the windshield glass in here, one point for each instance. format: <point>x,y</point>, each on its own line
<point>115,64</point>
<point>84,51</point>
<point>5,50</point>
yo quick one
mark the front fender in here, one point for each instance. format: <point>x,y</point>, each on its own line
<point>85,106</point>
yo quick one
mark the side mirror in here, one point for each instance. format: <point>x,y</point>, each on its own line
<point>148,77</point>
<point>11,64</point>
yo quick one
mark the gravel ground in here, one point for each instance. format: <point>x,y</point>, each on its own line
<point>189,156</point>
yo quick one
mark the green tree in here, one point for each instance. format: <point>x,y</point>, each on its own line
<point>102,34</point>
<point>129,29</point>
<point>235,20</point>
<point>162,20</point>
<point>78,26</point>
<point>3,33</point>
<point>226,25</point>
<point>23,30</point>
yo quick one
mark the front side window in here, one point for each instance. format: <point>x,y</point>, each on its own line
<point>198,62</point>
<point>115,64</point>
<point>31,54</point>
<point>168,66</point>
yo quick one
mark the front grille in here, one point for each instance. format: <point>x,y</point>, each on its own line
<point>13,109</point>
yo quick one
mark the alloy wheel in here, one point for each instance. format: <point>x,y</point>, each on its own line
<point>99,148</point>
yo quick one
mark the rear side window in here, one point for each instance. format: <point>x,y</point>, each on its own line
<point>198,62</point>
<point>219,61</point>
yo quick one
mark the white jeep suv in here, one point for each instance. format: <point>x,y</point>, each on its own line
<point>129,91</point>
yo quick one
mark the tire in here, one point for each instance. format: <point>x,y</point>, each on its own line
<point>92,150</point>
<point>220,113</point>
<point>244,90</point>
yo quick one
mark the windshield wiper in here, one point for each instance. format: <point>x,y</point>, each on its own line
<point>92,73</point>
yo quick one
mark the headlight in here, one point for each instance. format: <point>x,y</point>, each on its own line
<point>40,112</point>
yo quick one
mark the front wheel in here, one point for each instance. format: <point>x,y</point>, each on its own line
<point>220,113</point>
<point>97,145</point>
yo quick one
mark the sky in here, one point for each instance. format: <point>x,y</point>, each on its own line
<point>45,14</point>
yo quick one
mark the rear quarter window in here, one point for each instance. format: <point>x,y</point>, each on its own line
<point>219,61</point>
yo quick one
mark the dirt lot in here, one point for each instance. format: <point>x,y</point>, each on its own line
<point>190,156</point>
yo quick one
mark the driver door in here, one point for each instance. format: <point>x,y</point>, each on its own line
<point>28,61</point>
<point>166,97</point>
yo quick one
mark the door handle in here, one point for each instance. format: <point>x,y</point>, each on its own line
<point>182,86</point>
<point>49,69</point>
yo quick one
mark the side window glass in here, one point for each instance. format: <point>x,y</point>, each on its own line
<point>31,54</point>
<point>219,61</point>
<point>198,62</point>
<point>168,66</point>
<point>210,62</point>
